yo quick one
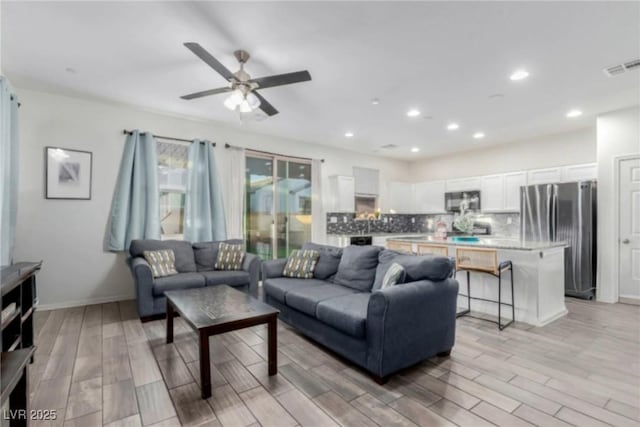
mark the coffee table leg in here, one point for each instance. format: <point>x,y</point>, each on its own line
<point>205,366</point>
<point>169,322</point>
<point>273,346</point>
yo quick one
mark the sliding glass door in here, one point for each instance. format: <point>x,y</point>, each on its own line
<point>277,205</point>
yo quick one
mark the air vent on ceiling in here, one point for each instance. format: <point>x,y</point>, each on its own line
<point>389,146</point>
<point>622,68</point>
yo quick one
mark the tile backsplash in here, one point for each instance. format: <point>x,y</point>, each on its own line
<point>502,224</point>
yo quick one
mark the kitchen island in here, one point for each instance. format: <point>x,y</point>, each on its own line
<point>538,270</point>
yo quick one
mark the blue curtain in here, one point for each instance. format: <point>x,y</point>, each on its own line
<point>204,212</point>
<point>135,208</point>
<point>8,170</point>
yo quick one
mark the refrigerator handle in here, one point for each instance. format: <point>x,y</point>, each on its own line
<point>553,214</point>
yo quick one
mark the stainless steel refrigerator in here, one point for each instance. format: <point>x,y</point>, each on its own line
<point>566,211</point>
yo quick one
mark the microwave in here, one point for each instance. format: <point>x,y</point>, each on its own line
<point>456,201</point>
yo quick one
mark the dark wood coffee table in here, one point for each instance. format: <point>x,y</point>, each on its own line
<point>218,309</point>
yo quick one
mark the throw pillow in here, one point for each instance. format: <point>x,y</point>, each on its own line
<point>163,263</point>
<point>393,276</point>
<point>301,264</point>
<point>230,257</point>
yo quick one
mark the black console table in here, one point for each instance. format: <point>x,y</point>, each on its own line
<point>18,289</point>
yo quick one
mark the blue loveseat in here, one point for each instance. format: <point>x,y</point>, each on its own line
<point>342,308</point>
<point>195,266</point>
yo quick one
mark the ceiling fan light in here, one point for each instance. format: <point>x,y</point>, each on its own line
<point>244,107</point>
<point>253,100</point>
<point>234,100</point>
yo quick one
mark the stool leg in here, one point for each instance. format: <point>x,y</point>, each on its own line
<point>468,290</point>
<point>499,298</point>
<point>513,304</point>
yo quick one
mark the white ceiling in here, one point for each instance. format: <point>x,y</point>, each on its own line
<point>444,58</point>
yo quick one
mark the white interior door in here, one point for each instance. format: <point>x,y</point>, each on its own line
<point>630,231</point>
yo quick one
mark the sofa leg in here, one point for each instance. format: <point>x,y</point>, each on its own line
<point>444,353</point>
<point>381,380</point>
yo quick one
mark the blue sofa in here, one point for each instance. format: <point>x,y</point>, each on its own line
<point>195,266</point>
<point>382,331</point>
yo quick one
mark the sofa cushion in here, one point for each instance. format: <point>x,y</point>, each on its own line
<point>305,299</point>
<point>425,267</point>
<point>328,259</point>
<point>278,287</point>
<point>206,253</point>
<point>221,277</point>
<point>177,281</point>
<point>162,263</point>
<point>347,313</point>
<point>230,256</point>
<point>183,252</point>
<point>301,264</point>
<point>357,267</point>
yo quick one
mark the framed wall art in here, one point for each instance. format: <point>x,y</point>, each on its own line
<point>68,174</point>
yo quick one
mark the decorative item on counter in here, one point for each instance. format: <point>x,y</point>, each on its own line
<point>377,213</point>
<point>441,230</point>
<point>464,223</point>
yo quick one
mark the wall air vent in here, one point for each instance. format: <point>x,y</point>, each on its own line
<point>389,146</point>
<point>622,68</point>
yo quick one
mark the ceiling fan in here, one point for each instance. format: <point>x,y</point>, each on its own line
<point>244,96</point>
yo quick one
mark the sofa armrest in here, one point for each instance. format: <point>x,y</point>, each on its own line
<point>143,277</point>
<point>273,268</point>
<point>409,323</point>
<point>251,264</point>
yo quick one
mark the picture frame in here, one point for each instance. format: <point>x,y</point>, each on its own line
<point>68,174</point>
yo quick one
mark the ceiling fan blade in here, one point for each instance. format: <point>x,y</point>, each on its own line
<point>281,79</point>
<point>201,53</point>
<point>206,93</point>
<point>269,109</point>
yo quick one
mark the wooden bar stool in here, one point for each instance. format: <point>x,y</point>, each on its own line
<point>400,246</point>
<point>485,260</point>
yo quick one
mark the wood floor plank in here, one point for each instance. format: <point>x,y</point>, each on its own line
<point>118,401</point>
<point>521,395</point>
<point>498,416</point>
<point>303,380</point>
<point>85,397</point>
<point>143,365</point>
<point>191,408</point>
<point>578,419</point>
<point>381,413</point>
<point>274,384</point>
<point>266,409</point>
<point>447,391</point>
<point>538,418</point>
<point>341,411</point>
<point>175,372</point>
<point>229,408</point>
<point>458,415</point>
<point>154,403</point>
<point>116,369</point>
<point>304,410</point>
<point>481,392</point>
<point>419,414</point>
<point>237,376</point>
<point>91,420</point>
<point>132,421</point>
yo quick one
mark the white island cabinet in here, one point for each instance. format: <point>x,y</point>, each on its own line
<point>538,270</point>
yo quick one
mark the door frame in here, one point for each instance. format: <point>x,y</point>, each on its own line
<point>617,162</point>
<point>276,196</point>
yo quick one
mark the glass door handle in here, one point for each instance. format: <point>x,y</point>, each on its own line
<point>626,241</point>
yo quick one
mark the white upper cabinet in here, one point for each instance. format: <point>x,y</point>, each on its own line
<point>463,184</point>
<point>512,183</point>
<point>429,197</point>
<point>367,181</point>
<point>400,197</point>
<point>544,176</point>
<point>585,172</point>
<point>492,193</point>
<point>342,193</point>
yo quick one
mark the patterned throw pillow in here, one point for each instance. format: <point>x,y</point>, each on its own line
<point>393,276</point>
<point>163,263</point>
<point>301,264</point>
<point>230,257</point>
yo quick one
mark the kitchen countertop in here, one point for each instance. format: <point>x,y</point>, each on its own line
<point>378,234</point>
<point>491,242</point>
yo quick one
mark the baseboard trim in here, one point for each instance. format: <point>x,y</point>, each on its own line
<point>552,318</point>
<point>629,300</point>
<point>79,303</point>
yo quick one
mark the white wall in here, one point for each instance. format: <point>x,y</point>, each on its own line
<point>548,151</point>
<point>68,235</point>
<point>618,135</point>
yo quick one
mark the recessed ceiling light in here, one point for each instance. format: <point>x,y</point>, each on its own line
<point>349,134</point>
<point>453,126</point>
<point>574,113</point>
<point>496,96</point>
<point>478,135</point>
<point>519,75</point>
<point>70,70</point>
<point>413,113</point>
<point>415,149</point>
<point>375,101</point>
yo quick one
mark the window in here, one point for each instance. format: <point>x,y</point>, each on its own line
<point>172,181</point>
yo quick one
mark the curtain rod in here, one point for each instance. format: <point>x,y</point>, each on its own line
<point>129,132</point>
<point>271,154</point>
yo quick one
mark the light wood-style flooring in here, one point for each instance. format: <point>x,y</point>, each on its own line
<point>98,365</point>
